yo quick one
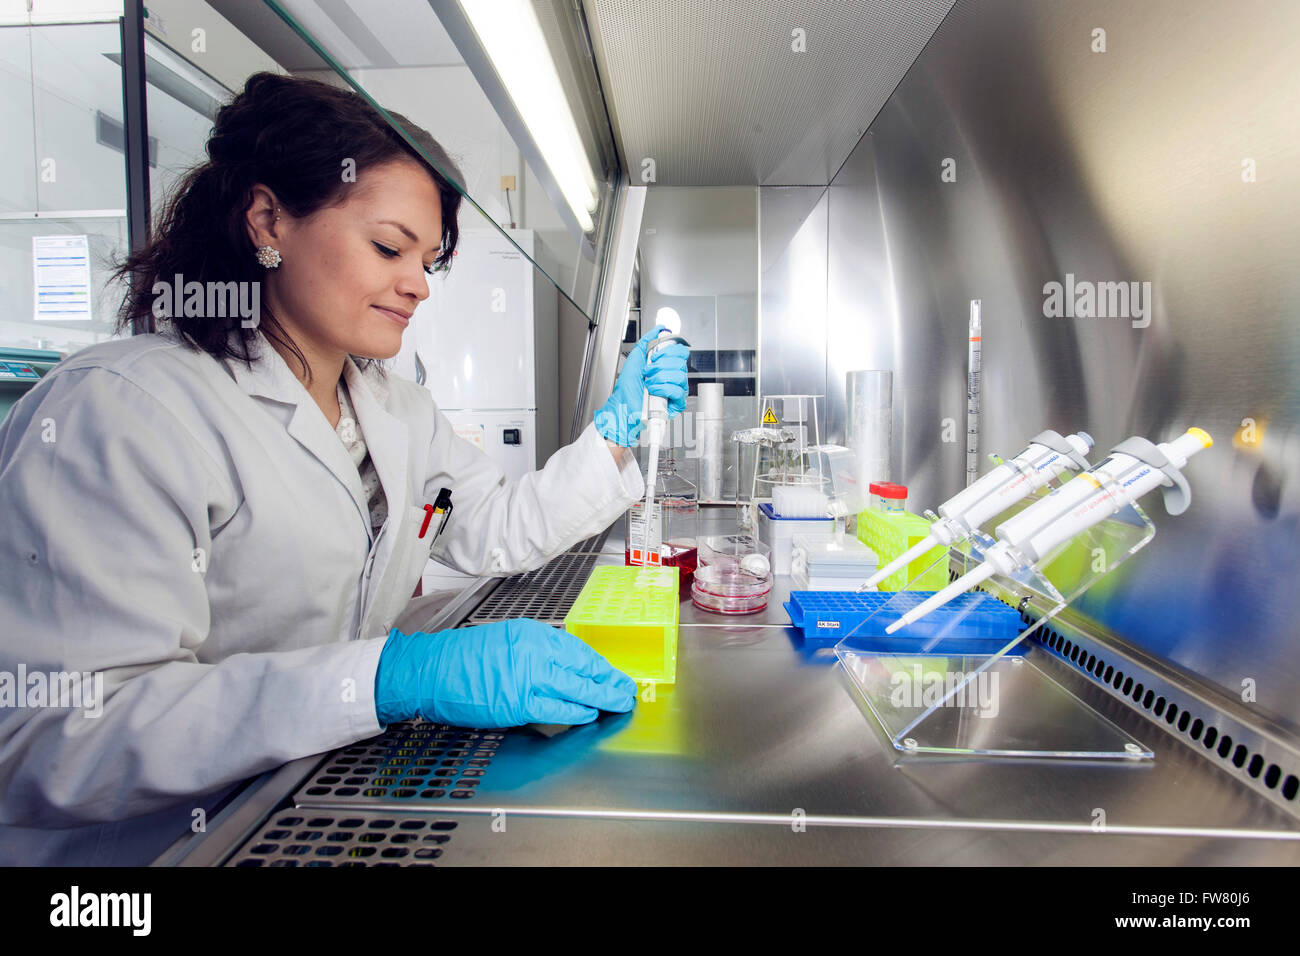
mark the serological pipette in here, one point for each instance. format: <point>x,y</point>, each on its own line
<point>974,366</point>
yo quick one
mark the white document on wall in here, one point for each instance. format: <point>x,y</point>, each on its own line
<point>472,434</point>
<point>61,267</point>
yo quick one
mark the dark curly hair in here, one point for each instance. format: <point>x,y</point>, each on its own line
<point>292,135</point>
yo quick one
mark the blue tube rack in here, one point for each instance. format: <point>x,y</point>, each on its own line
<point>974,623</point>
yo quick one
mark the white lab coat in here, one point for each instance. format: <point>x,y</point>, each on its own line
<point>197,533</point>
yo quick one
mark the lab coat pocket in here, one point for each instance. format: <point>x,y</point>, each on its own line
<point>405,563</point>
<point>415,522</point>
<point>420,548</point>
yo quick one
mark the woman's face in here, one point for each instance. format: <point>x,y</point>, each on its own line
<point>351,275</point>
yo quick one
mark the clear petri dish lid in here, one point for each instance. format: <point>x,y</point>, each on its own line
<point>728,603</point>
<point>725,581</point>
<point>717,548</point>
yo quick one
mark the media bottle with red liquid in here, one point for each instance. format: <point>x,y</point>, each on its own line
<point>674,524</point>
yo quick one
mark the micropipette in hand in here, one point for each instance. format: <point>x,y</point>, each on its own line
<point>1133,468</point>
<point>1047,455</point>
<point>654,412</point>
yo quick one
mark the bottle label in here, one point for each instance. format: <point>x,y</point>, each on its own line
<point>636,540</point>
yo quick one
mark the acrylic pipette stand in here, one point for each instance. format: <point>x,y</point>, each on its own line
<point>997,705</point>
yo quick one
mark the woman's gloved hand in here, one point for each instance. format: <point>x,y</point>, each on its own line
<point>664,375</point>
<point>497,675</point>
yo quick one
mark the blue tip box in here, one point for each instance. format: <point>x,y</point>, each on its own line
<point>974,623</point>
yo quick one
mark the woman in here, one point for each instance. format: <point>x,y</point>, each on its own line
<point>217,525</point>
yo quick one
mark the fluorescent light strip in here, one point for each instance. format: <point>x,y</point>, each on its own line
<point>512,37</point>
<point>56,12</point>
<point>167,58</point>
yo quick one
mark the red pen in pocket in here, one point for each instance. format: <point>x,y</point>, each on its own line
<point>441,506</point>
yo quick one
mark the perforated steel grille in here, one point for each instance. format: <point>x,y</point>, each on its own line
<point>1263,762</point>
<point>412,761</point>
<point>546,594</point>
<point>313,837</point>
<point>1268,766</point>
<point>391,785</point>
<point>751,92</point>
<point>592,545</point>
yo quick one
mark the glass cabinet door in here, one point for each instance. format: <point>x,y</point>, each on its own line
<point>63,195</point>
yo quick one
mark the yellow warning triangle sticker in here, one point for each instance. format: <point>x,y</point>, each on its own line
<point>769,417</point>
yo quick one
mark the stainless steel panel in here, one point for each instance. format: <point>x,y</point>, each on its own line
<point>864,325</point>
<point>751,91</point>
<point>1124,165</point>
<point>524,839</point>
<point>792,294</point>
<point>699,256</point>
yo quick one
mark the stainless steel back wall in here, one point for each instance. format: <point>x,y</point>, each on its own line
<point>1131,164</point>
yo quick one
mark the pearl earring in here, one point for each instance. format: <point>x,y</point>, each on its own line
<point>268,257</point>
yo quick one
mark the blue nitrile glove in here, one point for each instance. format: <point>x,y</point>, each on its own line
<point>497,675</point>
<point>619,419</point>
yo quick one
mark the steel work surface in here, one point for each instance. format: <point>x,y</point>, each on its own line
<point>762,753</point>
<point>755,733</point>
<point>518,839</point>
<point>759,733</point>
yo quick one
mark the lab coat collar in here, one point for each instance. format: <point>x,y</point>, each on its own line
<point>385,435</point>
<point>268,376</point>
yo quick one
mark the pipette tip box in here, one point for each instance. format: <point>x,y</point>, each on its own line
<point>974,623</point>
<point>777,532</point>
<point>830,562</point>
<point>630,616</point>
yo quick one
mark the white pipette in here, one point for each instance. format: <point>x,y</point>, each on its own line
<point>1133,468</point>
<point>1047,455</point>
<point>654,412</point>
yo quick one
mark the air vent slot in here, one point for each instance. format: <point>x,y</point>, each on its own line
<point>411,762</point>
<point>316,838</point>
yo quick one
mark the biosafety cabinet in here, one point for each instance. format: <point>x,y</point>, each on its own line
<point>818,189</point>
